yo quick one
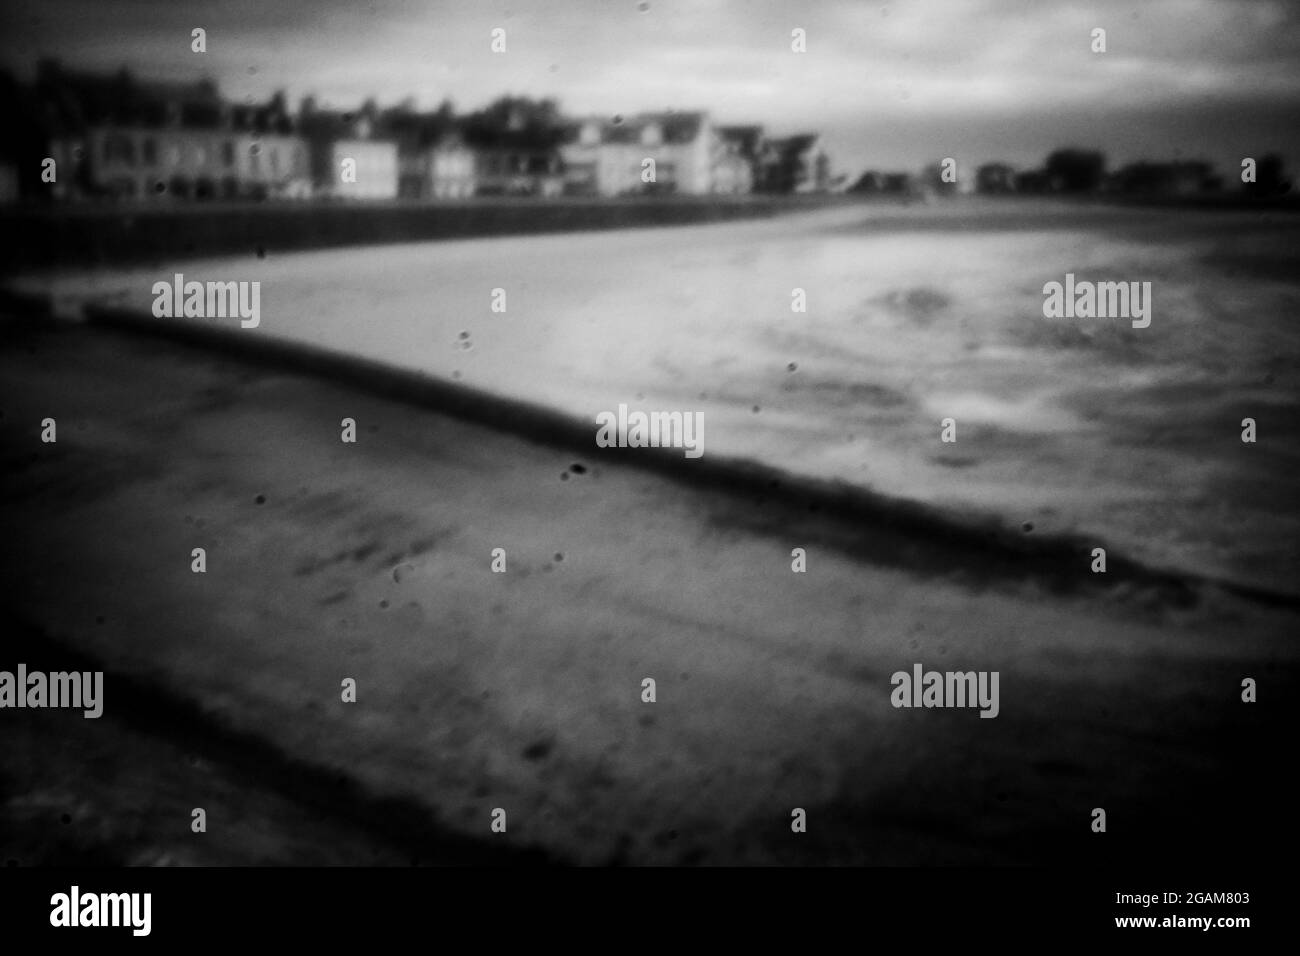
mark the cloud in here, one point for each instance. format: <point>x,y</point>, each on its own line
<point>968,66</point>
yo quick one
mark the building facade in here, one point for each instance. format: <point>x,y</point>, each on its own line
<point>131,163</point>
<point>118,137</point>
<point>452,169</point>
<point>517,171</point>
<point>609,158</point>
<point>347,159</point>
<point>360,169</point>
<point>736,152</point>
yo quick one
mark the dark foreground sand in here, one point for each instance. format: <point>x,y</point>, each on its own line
<point>522,690</point>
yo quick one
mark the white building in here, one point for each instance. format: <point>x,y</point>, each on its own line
<point>182,163</point>
<point>451,169</point>
<point>609,158</point>
<point>362,169</point>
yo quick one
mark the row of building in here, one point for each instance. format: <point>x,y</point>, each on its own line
<point>116,136</point>
<point>1074,171</point>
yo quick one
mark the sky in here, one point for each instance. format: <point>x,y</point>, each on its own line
<point>889,85</point>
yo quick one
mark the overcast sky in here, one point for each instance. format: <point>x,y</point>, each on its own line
<point>888,84</point>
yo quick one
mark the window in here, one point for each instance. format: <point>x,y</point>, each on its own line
<point>149,151</point>
<point>228,153</point>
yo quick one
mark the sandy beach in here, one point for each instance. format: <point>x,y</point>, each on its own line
<point>522,690</point>
<point>913,315</point>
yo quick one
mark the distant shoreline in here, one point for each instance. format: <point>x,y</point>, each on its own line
<point>123,234</point>
<point>119,234</point>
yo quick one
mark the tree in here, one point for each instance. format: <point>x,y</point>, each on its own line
<point>517,119</point>
<point>995,178</point>
<point>932,178</point>
<point>1270,178</point>
<point>1075,170</point>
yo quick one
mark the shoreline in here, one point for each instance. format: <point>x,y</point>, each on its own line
<point>125,235</point>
